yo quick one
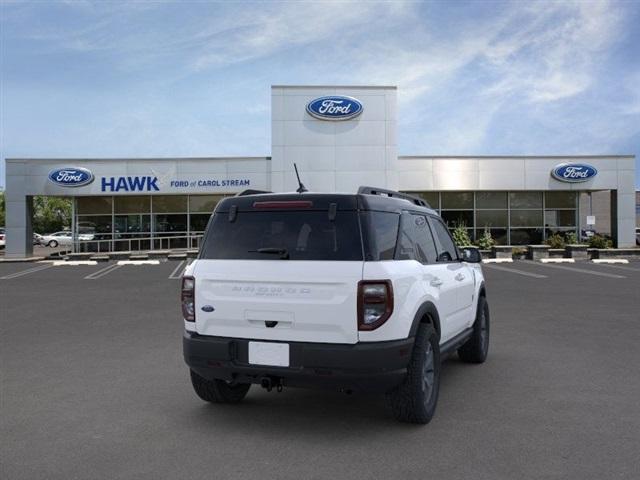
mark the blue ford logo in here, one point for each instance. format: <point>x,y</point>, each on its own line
<point>335,107</point>
<point>574,172</point>
<point>71,177</point>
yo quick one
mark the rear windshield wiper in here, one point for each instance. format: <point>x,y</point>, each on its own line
<point>283,252</point>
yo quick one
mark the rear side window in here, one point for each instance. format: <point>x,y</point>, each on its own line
<point>380,234</point>
<point>275,235</point>
<point>444,243</point>
<point>416,241</point>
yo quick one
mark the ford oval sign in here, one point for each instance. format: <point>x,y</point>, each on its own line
<point>574,172</point>
<point>71,177</point>
<point>334,107</point>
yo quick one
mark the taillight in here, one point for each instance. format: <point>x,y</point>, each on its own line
<point>188,299</point>
<point>375,303</point>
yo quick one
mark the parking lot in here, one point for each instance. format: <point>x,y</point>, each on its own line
<point>94,386</point>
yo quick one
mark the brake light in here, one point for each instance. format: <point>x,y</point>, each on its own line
<point>375,303</point>
<point>284,204</point>
<point>188,296</point>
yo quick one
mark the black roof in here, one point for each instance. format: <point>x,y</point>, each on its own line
<point>322,201</point>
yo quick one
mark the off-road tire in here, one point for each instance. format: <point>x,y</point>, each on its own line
<point>218,391</point>
<point>475,349</point>
<point>52,244</point>
<point>414,401</point>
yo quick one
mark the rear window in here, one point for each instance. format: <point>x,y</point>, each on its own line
<point>275,235</point>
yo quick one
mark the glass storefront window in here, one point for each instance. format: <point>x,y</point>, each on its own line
<point>93,205</point>
<point>492,218</point>
<point>432,198</point>
<point>457,200</point>
<point>525,200</point>
<point>454,218</point>
<point>204,203</point>
<point>526,236</point>
<point>560,218</point>
<point>92,224</point>
<point>133,204</point>
<point>491,200</point>
<point>526,218</point>
<point>560,199</point>
<point>169,204</point>
<point>164,223</point>
<point>198,221</point>
<point>130,224</point>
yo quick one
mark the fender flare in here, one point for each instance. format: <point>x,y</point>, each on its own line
<point>482,292</point>
<point>427,308</point>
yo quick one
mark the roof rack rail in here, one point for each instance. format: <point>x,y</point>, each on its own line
<point>251,191</point>
<point>393,194</point>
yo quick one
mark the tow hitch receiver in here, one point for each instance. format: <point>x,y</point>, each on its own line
<point>269,383</point>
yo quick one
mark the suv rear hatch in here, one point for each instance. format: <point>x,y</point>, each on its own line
<point>281,267</point>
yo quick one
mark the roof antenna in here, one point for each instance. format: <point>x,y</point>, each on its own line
<point>301,187</point>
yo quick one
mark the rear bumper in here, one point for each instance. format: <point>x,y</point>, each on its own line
<point>369,367</point>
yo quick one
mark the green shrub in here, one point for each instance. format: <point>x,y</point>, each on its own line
<point>555,241</point>
<point>460,235</point>
<point>570,238</point>
<point>598,241</point>
<point>486,241</point>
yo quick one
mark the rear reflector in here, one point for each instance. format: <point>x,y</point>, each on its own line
<point>284,204</point>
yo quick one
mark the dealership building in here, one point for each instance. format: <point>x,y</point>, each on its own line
<point>340,137</point>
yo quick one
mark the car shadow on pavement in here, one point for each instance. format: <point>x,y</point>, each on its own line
<point>303,413</point>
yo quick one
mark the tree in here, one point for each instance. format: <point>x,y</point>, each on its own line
<point>2,214</point>
<point>51,214</point>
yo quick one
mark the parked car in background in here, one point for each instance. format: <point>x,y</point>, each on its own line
<point>57,238</point>
<point>2,241</point>
<point>63,238</point>
<point>637,236</point>
<point>38,239</point>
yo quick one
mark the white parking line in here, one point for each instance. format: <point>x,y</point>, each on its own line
<point>138,262</point>
<point>630,269</point>
<point>26,272</point>
<point>513,270</point>
<point>175,275</point>
<point>581,270</point>
<point>102,272</point>
<point>73,263</point>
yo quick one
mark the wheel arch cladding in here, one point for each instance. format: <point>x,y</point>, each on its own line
<point>482,292</point>
<point>427,313</point>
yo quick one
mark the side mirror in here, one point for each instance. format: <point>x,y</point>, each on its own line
<point>471,255</point>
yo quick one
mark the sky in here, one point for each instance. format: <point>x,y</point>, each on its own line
<point>111,79</point>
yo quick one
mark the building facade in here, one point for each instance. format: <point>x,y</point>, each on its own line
<point>340,138</point>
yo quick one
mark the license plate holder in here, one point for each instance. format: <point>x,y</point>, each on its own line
<point>269,353</point>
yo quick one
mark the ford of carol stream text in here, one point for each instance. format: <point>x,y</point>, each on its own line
<point>355,292</point>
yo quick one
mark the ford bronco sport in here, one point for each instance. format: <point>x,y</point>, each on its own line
<point>356,292</point>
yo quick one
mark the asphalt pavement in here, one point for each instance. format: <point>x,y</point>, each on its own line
<point>93,386</point>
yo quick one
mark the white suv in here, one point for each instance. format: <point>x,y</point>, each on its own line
<point>357,292</point>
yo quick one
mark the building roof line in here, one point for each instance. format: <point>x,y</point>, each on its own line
<point>367,87</point>
<point>514,156</point>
